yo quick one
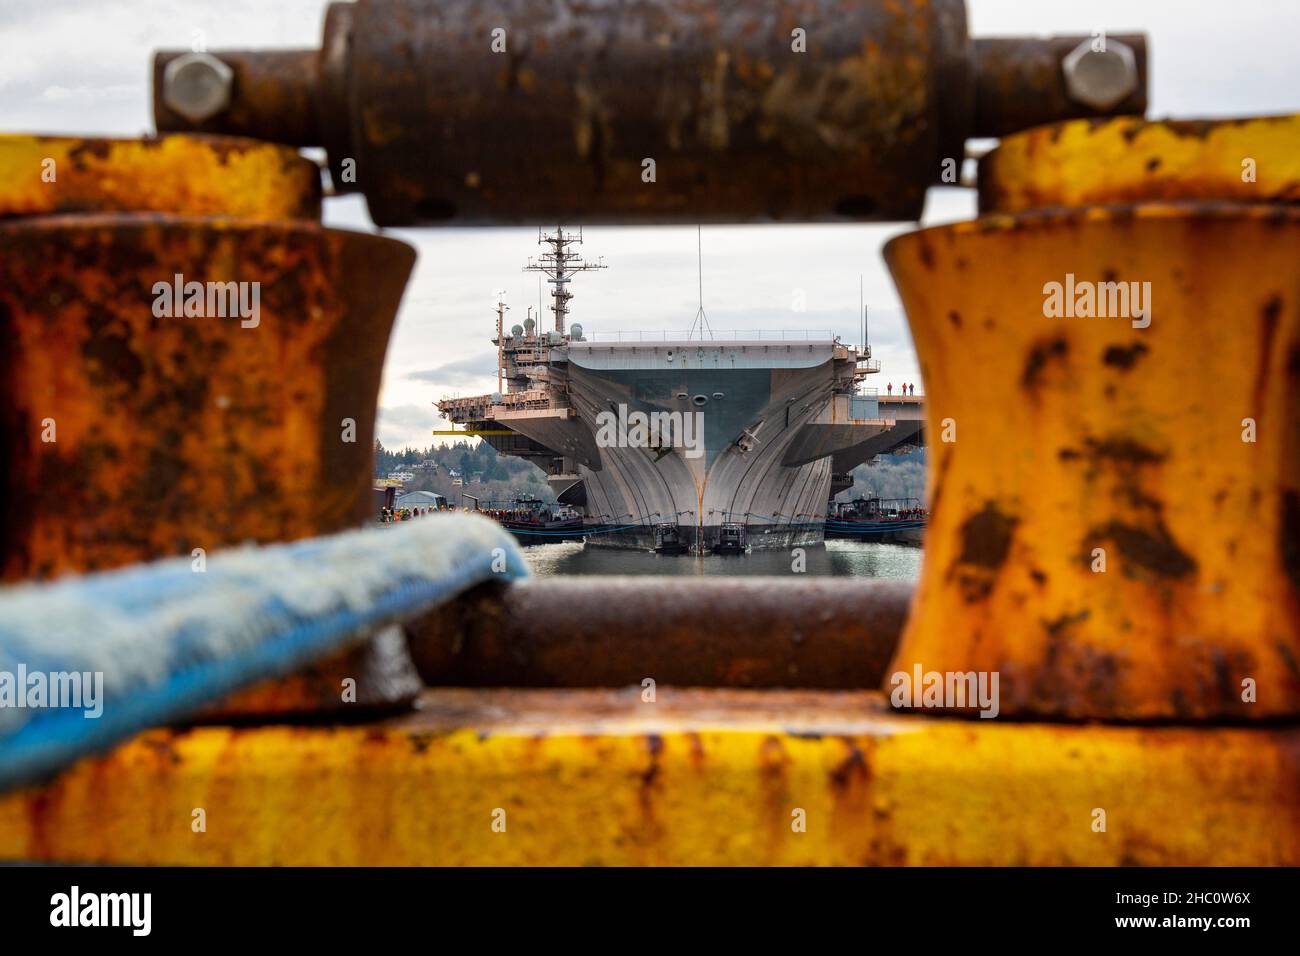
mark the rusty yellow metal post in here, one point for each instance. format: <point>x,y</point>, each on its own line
<point>195,363</point>
<point>1114,394</point>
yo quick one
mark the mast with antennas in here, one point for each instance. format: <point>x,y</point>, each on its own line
<point>866,331</point>
<point>559,266</point>
<point>502,308</point>
<point>701,319</point>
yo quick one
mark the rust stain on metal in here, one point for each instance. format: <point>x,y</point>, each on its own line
<point>1119,451</point>
<point>1151,548</point>
<point>985,544</point>
<point>191,174</point>
<point>175,433</point>
<point>986,538</point>
<point>1132,160</point>
<point>1039,355</point>
<point>1289,536</point>
<point>1124,357</point>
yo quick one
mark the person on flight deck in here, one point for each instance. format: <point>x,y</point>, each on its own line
<point>889,387</point>
<point>913,389</point>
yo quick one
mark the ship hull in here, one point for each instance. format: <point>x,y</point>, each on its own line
<point>749,415</point>
<point>755,433</point>
<point>888,532</point>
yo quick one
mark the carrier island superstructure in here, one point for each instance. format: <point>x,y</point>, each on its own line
<point>774,422</point>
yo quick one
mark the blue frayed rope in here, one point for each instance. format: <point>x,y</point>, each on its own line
<point>169,639</point>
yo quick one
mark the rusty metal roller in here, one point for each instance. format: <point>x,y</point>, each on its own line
<point>646,111</point>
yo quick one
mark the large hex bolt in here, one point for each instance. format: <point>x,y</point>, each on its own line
<point>1100,78</point>
<point>198,86</point>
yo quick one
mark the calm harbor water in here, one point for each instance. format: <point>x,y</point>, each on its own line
<point>835,558</point>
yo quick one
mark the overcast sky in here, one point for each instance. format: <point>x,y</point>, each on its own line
<point>81,67</point>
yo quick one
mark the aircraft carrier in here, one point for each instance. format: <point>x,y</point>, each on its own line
<point>699,441</point>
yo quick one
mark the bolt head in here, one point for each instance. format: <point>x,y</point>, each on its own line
<point>1100,80</point>
<point>198,86</point>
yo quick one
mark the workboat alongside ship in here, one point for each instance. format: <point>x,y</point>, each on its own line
<point>703,441</point>
<point>890,520</point>
<point>532,520</point>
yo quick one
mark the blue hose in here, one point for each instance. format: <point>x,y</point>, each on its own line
<point>163,639</point>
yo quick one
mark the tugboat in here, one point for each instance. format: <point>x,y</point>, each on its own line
<point>533,521</point>
<point>894,520</point>
<point>668,539</point>
<point>731,539</point>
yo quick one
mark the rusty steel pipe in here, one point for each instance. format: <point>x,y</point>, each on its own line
<point>458,111</point>
<point>707,632</point>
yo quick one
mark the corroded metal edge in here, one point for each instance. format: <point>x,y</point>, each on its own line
<point>1130,160</point>
<point>694,778</point>
<point>190,174</point>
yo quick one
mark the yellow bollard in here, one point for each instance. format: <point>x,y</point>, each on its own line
<point>1115,524</point>
<point>138,420</point>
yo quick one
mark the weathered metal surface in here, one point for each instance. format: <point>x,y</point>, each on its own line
<point>171,434</point>
<point>191,175</point>
<point>695,778</point>
<point>273,96</point>
<point>520,110</point>
<point>1022,83</point>
<point>708,632</point>
<point>1132,160</point>
<point>1069,435</point>
<point>381,675</point>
